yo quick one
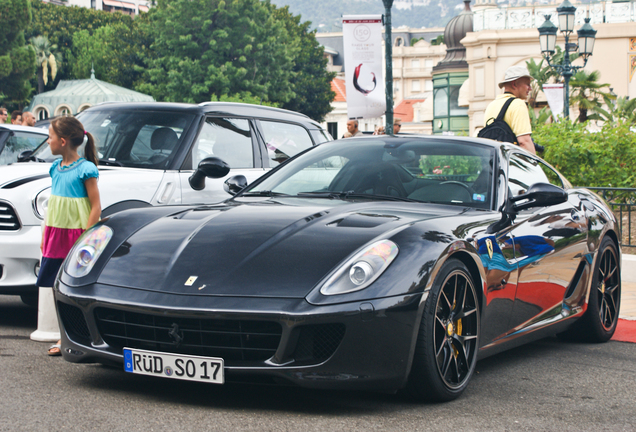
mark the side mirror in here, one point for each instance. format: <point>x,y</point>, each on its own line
<point>235,184</point>
<point>25,156</point>
<point>539,195</point>
<point>212,167</point>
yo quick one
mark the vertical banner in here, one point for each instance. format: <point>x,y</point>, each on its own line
<point>554,95</point>
<point>362,37</point>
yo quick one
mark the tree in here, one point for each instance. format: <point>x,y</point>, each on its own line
<point>45,58</point>
<point>541,75</point>
<point>59,24</point>
<point>203,48</point>
<point>438,40</point>
<point>112,50</point>
<point>615,111</point>
<point>586,92</point>
<point>17,61</point>
<point>311,81</point>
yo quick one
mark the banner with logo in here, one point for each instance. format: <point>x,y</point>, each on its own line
<point>554,95</point>
<point>362,37</point>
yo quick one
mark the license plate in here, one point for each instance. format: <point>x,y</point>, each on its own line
<point>176,366</point>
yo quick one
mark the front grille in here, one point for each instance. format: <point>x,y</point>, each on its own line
<point>232,340</point>
<point>74,322</point>
<point>317,343</point>
<point>8,218</point>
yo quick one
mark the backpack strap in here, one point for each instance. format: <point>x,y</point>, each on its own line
<point>504,108</point>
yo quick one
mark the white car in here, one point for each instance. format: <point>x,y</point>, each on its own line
<point>17,139</point>
<point>148,152</point>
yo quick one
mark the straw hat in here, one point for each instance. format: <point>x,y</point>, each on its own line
<point>514,73</point>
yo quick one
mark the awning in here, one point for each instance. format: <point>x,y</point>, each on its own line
<point>464,94</point>
<point>143,8</point>
<point>119,4</point>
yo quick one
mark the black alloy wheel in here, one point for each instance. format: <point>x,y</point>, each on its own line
<point>608,289</point>
<point>447,345</point>
<point>599,322</point>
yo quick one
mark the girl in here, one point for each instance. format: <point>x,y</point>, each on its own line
<point>74,204</point>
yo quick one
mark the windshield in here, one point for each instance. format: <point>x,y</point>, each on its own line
<point>407,169</point>
<point>131,138</point>
<point>12,143</point>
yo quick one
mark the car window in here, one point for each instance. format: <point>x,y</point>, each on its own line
<point>524,171</point>
<point>315,177</point>
<point>133,138</point>
<point>19,142</point>
<point>444,172</point>
<point>284,140</point>
<point>227,138</point>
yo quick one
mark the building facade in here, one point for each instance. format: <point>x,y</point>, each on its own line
<point>501,37</point>
<point>128,7</point>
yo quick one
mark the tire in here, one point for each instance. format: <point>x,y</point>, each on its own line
<point>30,300</point>
<point>448,339</point>
<point>599,322</point>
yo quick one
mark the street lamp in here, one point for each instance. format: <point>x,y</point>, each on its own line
<point>547,41</point>
<point>388,52</point>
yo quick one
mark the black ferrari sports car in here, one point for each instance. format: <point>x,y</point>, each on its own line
<point>376,263</point>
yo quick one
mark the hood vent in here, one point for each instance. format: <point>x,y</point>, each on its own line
<point>364,220</point>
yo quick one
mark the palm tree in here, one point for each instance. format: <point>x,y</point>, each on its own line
<point>587,93</point>
<point>541,75</point>
<point>45,58</point>
<point>622,109</point>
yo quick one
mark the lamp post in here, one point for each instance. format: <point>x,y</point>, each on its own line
<point>547,40</point>
<point>388,52</point>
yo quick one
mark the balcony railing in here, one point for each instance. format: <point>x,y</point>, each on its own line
<point>533,16</point>
<point>623,204</point>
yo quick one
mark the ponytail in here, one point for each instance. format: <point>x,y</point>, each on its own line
<point>71,129</point>
<point>90,151</point>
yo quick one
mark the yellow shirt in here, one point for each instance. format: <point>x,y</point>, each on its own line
<point>517,115</point>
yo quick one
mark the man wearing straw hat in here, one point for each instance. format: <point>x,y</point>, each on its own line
<point>516,84</point>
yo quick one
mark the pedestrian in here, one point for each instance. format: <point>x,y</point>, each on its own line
<point>397,125</point>
<point>74,204</point>
<point>16,117</point>
<point>28,119</point>
<point>352,128</point>
<point>347,134</point>
<point>516,86</point>
<point>379,130</point>
<point>3,115</point>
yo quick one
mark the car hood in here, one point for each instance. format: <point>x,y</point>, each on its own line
<point>271,248</point>
<point>23,172</point>
<point>116,184</point>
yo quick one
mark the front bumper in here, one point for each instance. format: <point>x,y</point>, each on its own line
<point>370,344</point>
<point>19,256</point>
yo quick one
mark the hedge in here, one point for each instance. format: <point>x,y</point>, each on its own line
<point>606,158</point>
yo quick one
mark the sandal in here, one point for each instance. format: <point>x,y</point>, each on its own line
<point>55,350</point>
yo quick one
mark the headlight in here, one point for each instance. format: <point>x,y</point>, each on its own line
<point>362,270</point>
<point>41,203</point>
<point>87,250</point>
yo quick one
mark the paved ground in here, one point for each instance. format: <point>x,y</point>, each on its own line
<point>628,297</point>
<point>543,386</point>
<point>548,385</point>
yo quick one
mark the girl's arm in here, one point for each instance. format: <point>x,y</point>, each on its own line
<point>93,197</point>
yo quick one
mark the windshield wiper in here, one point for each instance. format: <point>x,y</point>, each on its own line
<point>352,194</point>
<point>110,162</point>
<point>265,193</point>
